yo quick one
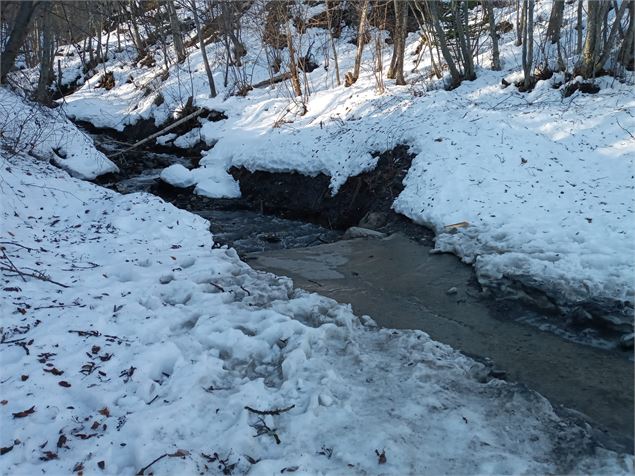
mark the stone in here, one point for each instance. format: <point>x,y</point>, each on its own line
<point>359,232</point>
<point>373,220</point>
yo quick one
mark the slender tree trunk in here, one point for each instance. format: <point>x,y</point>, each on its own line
<point>329,22</point>
<point>496,62</point>
<point>626,55</point>
<point>528,42</point>
<point>176,32</point>
<point>399,42</point>
<point>293,65</point>
<point>361,34</point>
<point>201,42</point>
<point>579,27</point>
<point>519,23</point>
<point>443,44</point>
<point>591,51</point>
<point>17,36</point>
<point>610,41</point>
<point>42,93</point>
<point>555,21</point>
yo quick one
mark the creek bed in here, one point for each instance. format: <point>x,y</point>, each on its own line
<point>400,284</point>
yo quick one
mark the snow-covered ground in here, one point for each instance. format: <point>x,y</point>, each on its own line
<point>546,183</point>
<point>128,338</point>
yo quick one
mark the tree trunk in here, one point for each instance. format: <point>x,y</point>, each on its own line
<point>16,38</point>
<point>591,51</point>
<point>176,32</point>
<point>330,28</point>
<point>496,62</point>
<point>578,27</point>
<point>626,55</point>
<point>610,41</point>
<point>293,65</point>
<point>42,93</point>
<point>201,43</point>
<point>399,42</point>
<point>443,44</point>
<point>528,42</point>
<point>555,21</point>
<point>361,33</point>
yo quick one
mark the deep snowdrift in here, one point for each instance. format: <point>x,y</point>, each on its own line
<point>141,340</point>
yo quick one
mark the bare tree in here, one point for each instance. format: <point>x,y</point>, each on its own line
<point>528,43</point>
<point>399,42</point>
<point>361,39</point>
<point>555,21</point>
<point>496,62</point>
<point>201,43</point>
<point>17,37</point>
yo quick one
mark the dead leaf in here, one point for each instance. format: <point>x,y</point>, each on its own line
<point>179,454</point>
<point>101,464</point>
<point>95,425</point>
<point>61,441</point>
<point>55,371</point>
<point>63,383</point>
<point>4,402</point>
<point>105,412</point>
<point>5,450</point>
<point>381,456</point>
<point>24,378</point>
<point>24,413</point>
<point>48,456</point>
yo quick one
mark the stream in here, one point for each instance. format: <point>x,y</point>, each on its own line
<point>397,281</point>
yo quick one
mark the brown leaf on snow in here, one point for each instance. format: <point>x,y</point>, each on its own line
<point>24,378</point>
<point>4,402</point>
<point>48,456</point>
<point>61,441</point>
<point>101,464</point>
<point>179,454</point>
<point>95,425</point>
<point>4,450</point>
<point>105,412</point>
<point>63,383</point>
<point>24,413</point>
<point>54,371</point>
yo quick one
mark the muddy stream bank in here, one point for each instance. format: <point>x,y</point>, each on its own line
<point>289,225</point>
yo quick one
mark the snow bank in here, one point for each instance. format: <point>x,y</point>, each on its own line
<point>30,127</point>
<point>142,341</point>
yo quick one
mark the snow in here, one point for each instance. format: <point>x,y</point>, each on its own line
<point>26,126</point>
<point>178,176</point>
<point>142,339</point>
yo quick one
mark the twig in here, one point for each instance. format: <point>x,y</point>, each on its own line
<point>623,128</point>
<point>39,276</point>
<point>59,305</point>
<point>141,471</point>
<point>15,268</point>
<point>275,411</point>
<point>18,244</point>
<point>247,291</point>
<point>218,287</point>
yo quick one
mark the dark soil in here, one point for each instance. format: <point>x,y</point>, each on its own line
<point>296,196</point>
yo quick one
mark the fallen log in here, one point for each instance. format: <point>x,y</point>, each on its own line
<point>159,133</point>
